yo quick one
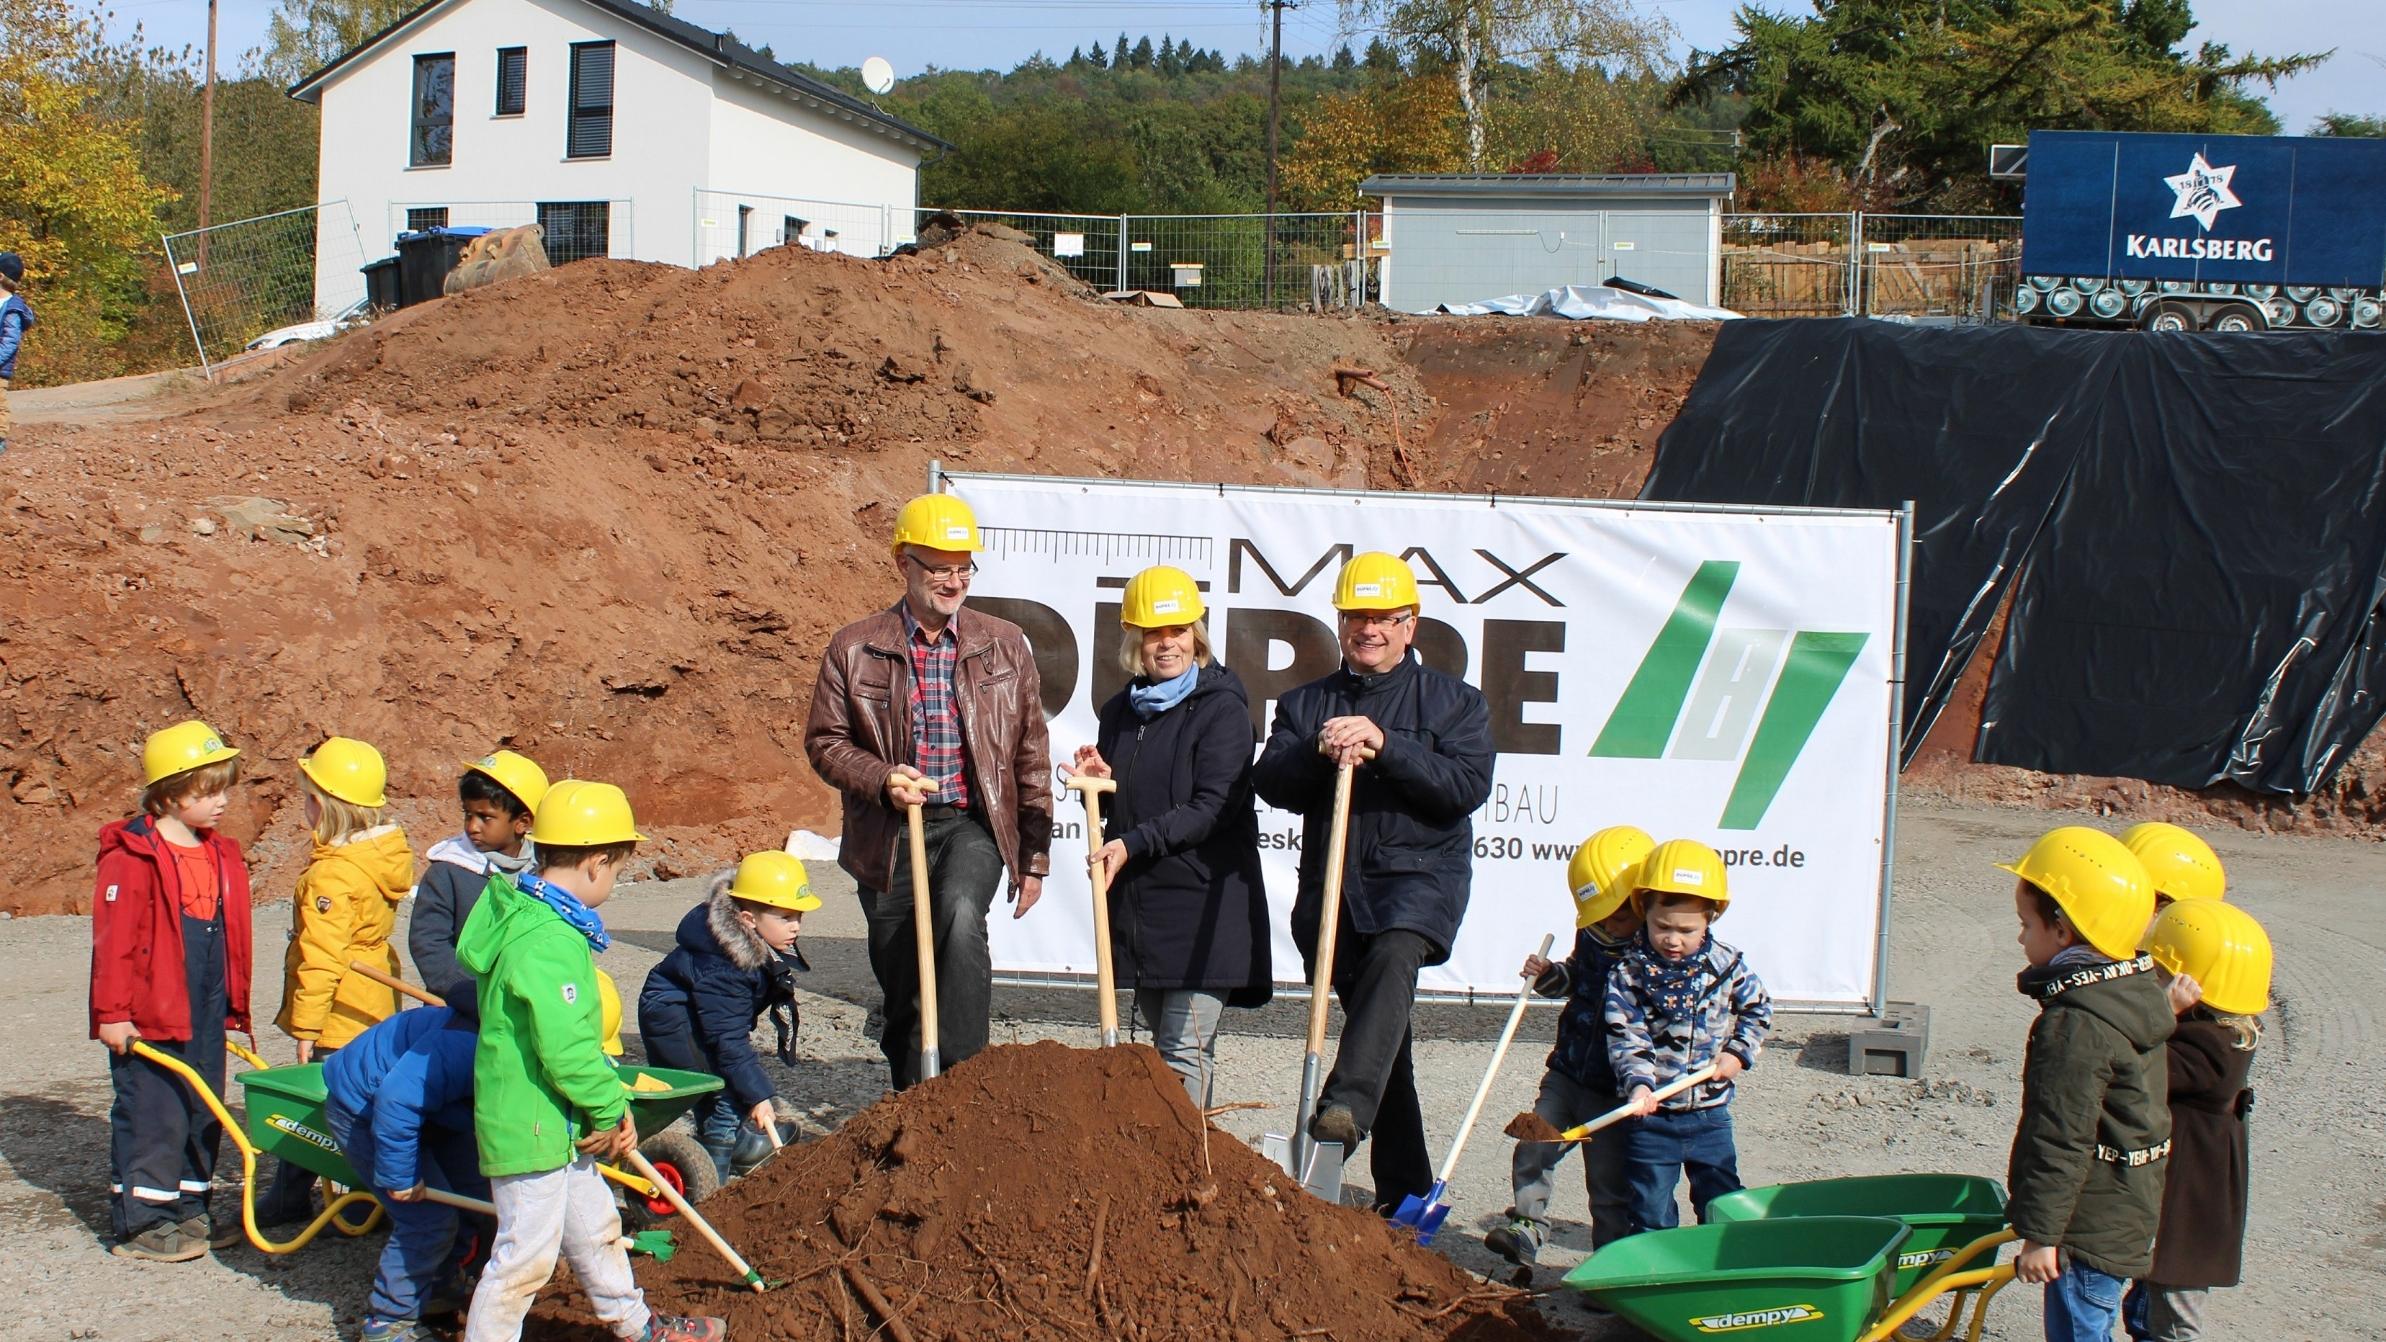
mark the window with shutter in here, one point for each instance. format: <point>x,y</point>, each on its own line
<point>433,140</point>
<point>513,80</point>
<point>590,134</point>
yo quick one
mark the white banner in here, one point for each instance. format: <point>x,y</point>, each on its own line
<point>1722,675</point>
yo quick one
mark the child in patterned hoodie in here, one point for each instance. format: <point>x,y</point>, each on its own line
<point>1679,1001</point>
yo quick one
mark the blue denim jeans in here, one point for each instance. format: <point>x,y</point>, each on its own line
<point>423,1249</point>
<point>1659,1149</point>
<point>716,1115</point>
<point>2082,1305</point>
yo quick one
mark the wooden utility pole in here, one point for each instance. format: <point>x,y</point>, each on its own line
<point>1275,119</point>
<point>207,139</point>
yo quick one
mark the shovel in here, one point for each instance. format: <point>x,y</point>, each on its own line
<point>389,980</point>
<point>1582,1132</point>
<point>923,932</point>
<point>1426,1214</point>
<point>655,1244</point>
<point>746,1272</point>
<point>1318,1165</point>
<point>1089,789</point>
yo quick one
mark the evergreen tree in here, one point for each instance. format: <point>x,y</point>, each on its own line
<point>1344,62</point>
<point>1170,63</point>
<point>1119,60</point>
<point>1076,58</point>
<point>1100,59</point>
<point>1142,59</point>
<point>1382,57</point>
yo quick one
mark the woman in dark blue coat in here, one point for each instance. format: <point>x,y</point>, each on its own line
<point>1188,907</point>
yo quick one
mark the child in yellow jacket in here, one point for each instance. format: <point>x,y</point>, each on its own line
<point>344,913</point>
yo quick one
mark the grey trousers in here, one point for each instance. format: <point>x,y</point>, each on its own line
<point>1184,1026</point>
<point>1562,1104</point>
<point>2157,1313</point>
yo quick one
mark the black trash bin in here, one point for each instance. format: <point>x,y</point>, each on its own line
<point>381,284</point>
<point>425,258</point>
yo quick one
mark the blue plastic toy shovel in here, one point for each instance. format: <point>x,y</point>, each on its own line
<point>1426,1214</point>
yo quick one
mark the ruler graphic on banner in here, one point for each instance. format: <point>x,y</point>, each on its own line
<point>1722,674</point>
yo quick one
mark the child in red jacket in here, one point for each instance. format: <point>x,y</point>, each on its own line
<point>169,967</point>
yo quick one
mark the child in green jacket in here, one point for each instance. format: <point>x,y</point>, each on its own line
<point>546,1100</point>
<point>2091,1149</point>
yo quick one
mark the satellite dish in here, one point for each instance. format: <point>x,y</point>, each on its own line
<point>877,75</point>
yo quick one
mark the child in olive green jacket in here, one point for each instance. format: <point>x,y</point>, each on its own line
<point>546,1100</point>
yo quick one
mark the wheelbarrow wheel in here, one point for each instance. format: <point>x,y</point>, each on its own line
<point>684,1164</point>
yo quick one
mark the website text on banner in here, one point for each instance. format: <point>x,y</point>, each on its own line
<point>1709,674</point>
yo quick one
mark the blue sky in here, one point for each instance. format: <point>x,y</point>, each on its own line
<point>972,34</point>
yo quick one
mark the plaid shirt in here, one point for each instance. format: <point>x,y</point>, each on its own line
<point>936,746</point>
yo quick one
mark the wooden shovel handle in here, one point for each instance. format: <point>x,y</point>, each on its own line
<point>703,1227</point>
<point>389,980</point>
<point>1330,920</point>
<point>923,940</point>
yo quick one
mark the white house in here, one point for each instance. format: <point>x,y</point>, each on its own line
<point>626,132</point>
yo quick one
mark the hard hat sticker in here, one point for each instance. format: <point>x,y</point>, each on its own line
<point>956,532</point>
<point>1367,589</point>
<point>1689,877</point>
<point>1167,607</point>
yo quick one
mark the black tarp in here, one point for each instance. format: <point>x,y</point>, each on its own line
<point>2200,522</point>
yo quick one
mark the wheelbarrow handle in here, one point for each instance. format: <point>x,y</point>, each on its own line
<point>389,980</point>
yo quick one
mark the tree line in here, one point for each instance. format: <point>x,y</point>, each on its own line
<point>1858,104</point>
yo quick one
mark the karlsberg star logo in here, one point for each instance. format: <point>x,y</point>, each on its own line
<point>2203,192</point>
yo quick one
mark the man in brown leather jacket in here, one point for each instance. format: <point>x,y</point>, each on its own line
<point>922,693</point>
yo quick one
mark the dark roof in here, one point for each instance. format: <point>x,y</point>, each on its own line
<point>1549,184</point>
<point>719,47</point>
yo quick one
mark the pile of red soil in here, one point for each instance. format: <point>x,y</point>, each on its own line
<point>1042,1192</point>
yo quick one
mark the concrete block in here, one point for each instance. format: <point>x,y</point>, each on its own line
<point>1891,1044</point>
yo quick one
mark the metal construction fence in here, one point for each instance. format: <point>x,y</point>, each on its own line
<point>243,279</point>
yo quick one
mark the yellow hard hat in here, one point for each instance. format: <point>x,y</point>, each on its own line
<point>516,774</point>
<point>181,748</point>
<point>1595,874</point>
<point>2221,947</point>
<point>2098,883</point>
<point>2181,865</point>
<point>1375,581</point>
<point>609,1012</point>
<point>1161,596</point>
<point>937,522</point>
<point>1682,867</point>
<point>580,814</point>
<point>776,879</point>
<point>350,770</point>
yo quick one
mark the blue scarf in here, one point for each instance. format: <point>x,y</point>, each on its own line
<point>1150,700</point>
<point>568,907</point>
<point>1672,984</point>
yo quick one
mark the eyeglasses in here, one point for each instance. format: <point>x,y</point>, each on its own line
<point>949,573</point>
<point>1360,619</point>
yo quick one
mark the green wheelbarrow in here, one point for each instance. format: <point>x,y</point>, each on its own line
<point>1825,1278</point>
<point>1944,1212</point>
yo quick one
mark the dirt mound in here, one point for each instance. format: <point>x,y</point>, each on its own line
<point>1043,1192</point>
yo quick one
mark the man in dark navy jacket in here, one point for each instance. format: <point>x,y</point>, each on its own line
<point>1423,743</point>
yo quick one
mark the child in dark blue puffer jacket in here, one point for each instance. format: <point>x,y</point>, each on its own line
<point>736,960</point>
<point>1580,1084</point>
<point>400,1106</point>
<point>16,318</point>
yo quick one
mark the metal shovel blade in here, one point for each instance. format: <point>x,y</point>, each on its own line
<point>1423,1214</point>
<point>1323,1178</point>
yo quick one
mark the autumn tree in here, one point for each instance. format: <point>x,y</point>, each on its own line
<point>1902,97</point>
<point>303,36</point>
<point>1477,40</point>
<point>73,200</point>
<point>1407,125</point>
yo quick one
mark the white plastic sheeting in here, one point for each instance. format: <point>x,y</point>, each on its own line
<point>1589,302</point>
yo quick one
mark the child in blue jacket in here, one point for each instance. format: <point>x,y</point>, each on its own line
<point>736,960</point>
<point>400,1106</point>
<point>16,318</point>
<point>1678,1001</point>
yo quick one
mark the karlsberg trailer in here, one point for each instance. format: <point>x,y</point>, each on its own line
<point>2202,232</point>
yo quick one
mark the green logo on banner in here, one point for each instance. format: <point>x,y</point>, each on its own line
<point>1709,714</point>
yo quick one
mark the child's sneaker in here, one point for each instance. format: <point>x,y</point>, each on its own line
<point>677,1328</point>
<point>394,1330</point>
<point>212,1233</point>
<point>1519,1241</point>
<point>160,1243</point>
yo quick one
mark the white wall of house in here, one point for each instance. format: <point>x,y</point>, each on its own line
<point>680,122</point>
<point>828,171</point>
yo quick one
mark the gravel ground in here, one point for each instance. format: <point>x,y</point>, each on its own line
<point>2319,1206</point>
